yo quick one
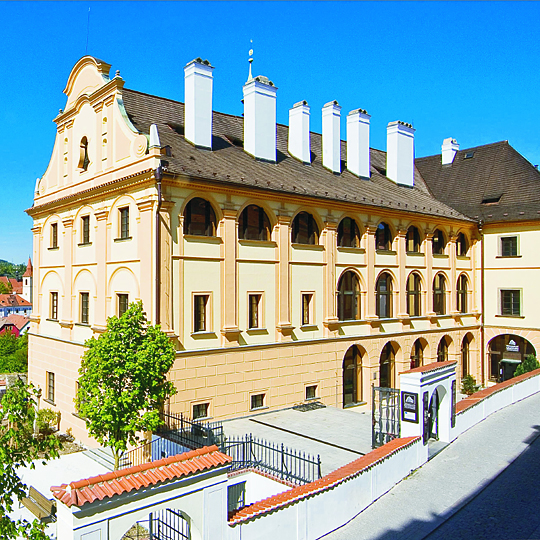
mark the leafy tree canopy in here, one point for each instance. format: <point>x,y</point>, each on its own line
<point>13,353</point>
<point>18,448</point>
<point>5,288</point>
<point>123,380</point>
<point>12,270</point>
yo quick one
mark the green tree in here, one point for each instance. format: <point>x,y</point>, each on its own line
<point>5,288</point>
<point>13,353</point>
<point>123,380</point>
<point>530,363</point>
<point>18,448</point>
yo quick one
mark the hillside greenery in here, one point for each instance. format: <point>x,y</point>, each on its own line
<point>12,270</point>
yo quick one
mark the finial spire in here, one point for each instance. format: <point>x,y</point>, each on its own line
<point>250,76</point>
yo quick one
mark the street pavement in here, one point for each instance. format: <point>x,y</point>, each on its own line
<point>485,485</point>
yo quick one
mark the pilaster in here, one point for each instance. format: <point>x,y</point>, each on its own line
<point>229,305</point>
<point>402,274</point>
<point>146,239</point>
<point>100,309</point>
<point>69,302</point>
<point>330,246</point>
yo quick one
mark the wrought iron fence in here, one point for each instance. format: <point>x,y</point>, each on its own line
<point>291,465</point>
<point>386,419</point>
<point>190,433</point>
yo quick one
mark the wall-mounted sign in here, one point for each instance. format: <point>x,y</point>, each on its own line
<point>512,346</point>
<point>409,407</point>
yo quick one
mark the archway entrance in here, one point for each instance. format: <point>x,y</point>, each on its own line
<point>386,366</point>
<point>167,524</point>
<point>442,349</point>
<point>506,352</point>
<point>352,376</point>
<point>433,415</point>
<point>466,355</point>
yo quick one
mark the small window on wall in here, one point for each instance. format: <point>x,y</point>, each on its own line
<point>511,303</point>
<point>462,289</point>
<point>439,294</point>
<point>509,246</point>
<point>50,386</point>
<point>307,307</point>
<point>124,222</point>
<point>462,246</point>
<point>439,243</point>
<point>304,229</point>
<point>348,234</point>
<point>200,304</point>
<point>85,304</point>
<point>413,240</point>
<point>254,311</point>
<point>257,401</point>
<point>199,218</point>
<point>85,230</point>
<point>200,410</point>
<point>53,308</point>
<point>54,235</point>
<point>123,303</point>
<point>311,391</point>
<point>236,496</point>
<point>253,224</point>
<point>383,237</point>
<point>84,160</point>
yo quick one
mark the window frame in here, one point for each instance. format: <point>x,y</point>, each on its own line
<point>210,219</point>
<point>439,294</point>
<point>307,311</point>
<point>84,307</point>
<point>515,293</point>
<point>442,350</point>
<point>355,308</point>
<point>50,386</point>
<point>201,300</point>
<point>309,387</point>
<point>462,245</point>
<point>387,293</point>
<point>123,223</point>
<point>254,397</point>
<point>414,295</point>
<point>313,232</point>
<point>438,238</point>
<point>53,305</point>
<point>383,233</point>
<point>516,246</point>
<point>255,319</point>
<point>54,236</point>
<point>206,405</point>
<point>264,227</point>
<point>462,294</point>
<point>353,233</point>
<point>85,230</point>
<point>416,241</point>
<point>119,303</point>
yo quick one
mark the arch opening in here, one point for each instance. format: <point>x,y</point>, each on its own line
<point>506,353</point>
<point>348,297</point>
<point>387,364</point>
<point>352,377</point>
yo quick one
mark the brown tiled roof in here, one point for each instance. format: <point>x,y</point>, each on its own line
<point>477,397</point>
<point>430,367</point>
<point>326,482</point>
<point>495,171</point>
<point>118,482</point>
<point>13,300</point>
<point>228,163</point>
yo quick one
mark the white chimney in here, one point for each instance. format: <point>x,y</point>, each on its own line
<point>358,158</point>
<point>400,153</point>
<point>260,118</point>
<point>449,149</point>
<point>198,83</point>
<point>299,142</point>
<point>331,140</point>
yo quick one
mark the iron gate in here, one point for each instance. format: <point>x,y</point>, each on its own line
<point>163,525</point>
<point>386,420</point>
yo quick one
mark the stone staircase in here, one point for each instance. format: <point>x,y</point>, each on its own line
<point>101,455</point>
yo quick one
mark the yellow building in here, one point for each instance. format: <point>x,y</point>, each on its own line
<point>286,265</point>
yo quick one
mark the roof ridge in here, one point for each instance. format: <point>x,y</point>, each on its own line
<point>488,145</point>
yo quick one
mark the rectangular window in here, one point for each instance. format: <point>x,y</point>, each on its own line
<point>307,302</point>
<point>124,222</point>
<point>509,246</point>
<point>311,391</point>
<point>200,410</point>
<point>510,302</point>
<point>254,311</point>
<point>85,228</point>
<point>236,496</point>
<point>123,302</point>
<point>85,301</point>
<point>200,302</point>
<point>50,386</point>
<point>53,311</point>
<point>54,235</point>
<point>257,401</point>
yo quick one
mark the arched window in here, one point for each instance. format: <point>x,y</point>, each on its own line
<point>462,288</point>
<point>413,240</point>
<point>442,350</point>
<point>383,237</point>
<point>386,366</point>
<point>348,234</point>
<point>414,292</point>
<point>84,160</point>
<point>199,218</point>
<point>253,224</point>
<point>304,229</point>
<point>462,246</point>
<point>352,376</point>
<point>439,294</point>
<point>465,355</point>
<point>383,296</point>
<point>417,354</point>
<point>349,297</point>
<point>439,243</point>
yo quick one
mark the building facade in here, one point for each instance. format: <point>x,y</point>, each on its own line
<point>285,265</point>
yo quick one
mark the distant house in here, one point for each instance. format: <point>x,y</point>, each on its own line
<point>16,324</point>
<point>13,304</point>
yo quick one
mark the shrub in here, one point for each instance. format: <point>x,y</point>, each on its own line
<point>468,385</point>
<point>530,363</point>
<point>47,421</point>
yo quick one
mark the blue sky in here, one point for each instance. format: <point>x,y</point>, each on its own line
<point>468,70</point>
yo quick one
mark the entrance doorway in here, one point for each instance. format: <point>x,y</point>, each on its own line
<point>433,416</point>
<point>166,524</point>
<point>506,352</point>
<point>352,376</point>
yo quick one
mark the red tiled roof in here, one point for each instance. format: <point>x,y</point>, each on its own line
<point>29,269</point>
<point>475,398</point>
<point>16,286</point>
<point>326,482</point>
<point>19,321</point>
<point>13,300</point>
<point>118,482</point>
<point>430,367</point>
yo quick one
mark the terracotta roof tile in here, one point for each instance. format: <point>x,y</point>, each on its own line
<point>326,482</point>
<point>117,482</point>
<point>430,367</point>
